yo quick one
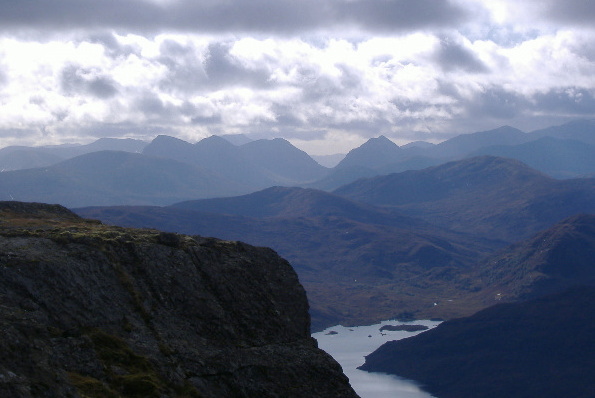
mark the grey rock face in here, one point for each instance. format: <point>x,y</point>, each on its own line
<point>98,311</point>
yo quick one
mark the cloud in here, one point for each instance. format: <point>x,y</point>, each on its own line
<point>113,47</point>
<point>222,69</point>
<point>571,101</point>
<point>571,12</point>
<point>313,71</point>
<point>183,64</point>
<point>263,16</point>
<point>400,15</point>
<point>3,77</point>
<point>76,80</point>
<point>453,55</point>
<point>496,103</point>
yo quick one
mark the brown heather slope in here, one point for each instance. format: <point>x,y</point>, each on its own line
<point>365,262</point>
<point>489,196</point>
<point>551,261</point>
<point>91,310</point>
<point>358,263</point>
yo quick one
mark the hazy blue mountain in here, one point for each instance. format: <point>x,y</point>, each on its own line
<point>360,162</point>
<point>559,158</point>
<point>217,154</point>
<point>111,177</point>
<point>543,150</point>
<point>214,154</point>
<point>540,348</point>
<point>12,158</point>
<point>257,164</point>
<point>373,153</point>
<point>103,144</point>
<point>491,196</point>
<point>282,161</point>
<point>164,146</point>
<point>380,155</point>
<point>23,157</point>
<point>578,130</point>
<point>115,144</point>
<point>411,163</point>
<point>418,145</point>
<point>462,145</point>
<point>339,176</point>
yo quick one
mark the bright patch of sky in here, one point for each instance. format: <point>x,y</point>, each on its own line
<point>325,74</point>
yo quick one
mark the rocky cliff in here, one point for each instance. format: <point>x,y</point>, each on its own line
<point>91,310</point>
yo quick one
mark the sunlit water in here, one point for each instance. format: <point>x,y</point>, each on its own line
<point>351,344</point>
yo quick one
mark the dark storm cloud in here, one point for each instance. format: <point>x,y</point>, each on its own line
<point>153,107</point>
<point>496,103</point>
<point>3,71</point>
<point>76,80</point>
<point>317,87</point>
<point>568,101</point>
<point>401,14</point>
<point>453,56</point>
<point>112,46</point>
<point>570,11</point>
<point>3,77</point>
<point>185,67</point>
<point>222,70</point>
<point>192,71</point>
<point>222,16</point>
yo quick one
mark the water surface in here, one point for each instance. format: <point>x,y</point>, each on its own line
<point>349,346</point>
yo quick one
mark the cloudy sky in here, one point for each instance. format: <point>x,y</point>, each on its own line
<point>325,74</point>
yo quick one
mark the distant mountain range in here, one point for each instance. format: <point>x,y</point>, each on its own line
<point>395,229</point>
<point>541,348</point>
<point>419,231</point>
<point>113,177</point>
<point>236,165</point>
<point>497,197</point>
<point>391,244</point>
<point>566,153</point>
<point>22,157</point>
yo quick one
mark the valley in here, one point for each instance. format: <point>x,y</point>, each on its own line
<point>416,232</point>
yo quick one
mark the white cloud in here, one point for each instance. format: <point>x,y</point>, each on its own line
<point>335,69</point>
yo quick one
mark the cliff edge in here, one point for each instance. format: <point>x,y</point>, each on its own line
<point>92,310</point>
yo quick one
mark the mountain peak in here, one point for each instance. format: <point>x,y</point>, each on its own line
<point>214,140</point>
<point>162,138</point>
<point>374,153</point>
<point>464,144</point>
<point>380,140</point>
<point>163,145</point>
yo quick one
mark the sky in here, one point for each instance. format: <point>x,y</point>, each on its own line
<point>325,74</point>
